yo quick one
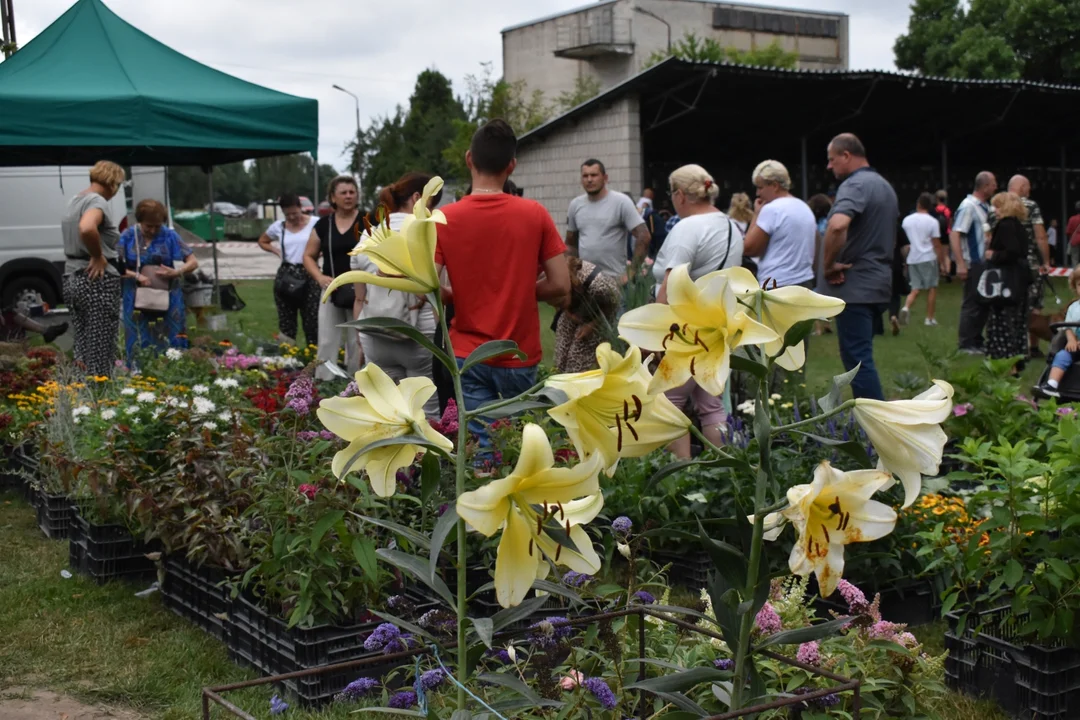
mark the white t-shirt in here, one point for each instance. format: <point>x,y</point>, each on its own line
<point>1072,315</point>
<point>292,247</point>
<point>792,230</point>
<point>702,241</point>
<point>921,229</point>
<point>1051,236</point>
<point>642,203</point>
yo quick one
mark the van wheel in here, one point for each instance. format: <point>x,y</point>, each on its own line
<point>25,292</point>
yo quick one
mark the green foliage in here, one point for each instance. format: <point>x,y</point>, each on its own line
<point>412,139</point>
<point>695,49</point>
<point>586,87</point>
<point>242,182</point>
<point>1029,39</point>
<point>486,99</point>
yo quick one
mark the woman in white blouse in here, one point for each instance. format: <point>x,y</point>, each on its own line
<point>294,289</point>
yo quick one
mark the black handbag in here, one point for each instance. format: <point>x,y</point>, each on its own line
<point>1002,286</point>
<point>293,287</point>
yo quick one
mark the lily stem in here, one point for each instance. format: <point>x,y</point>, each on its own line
<point>499,403</point>
<point>459,488</point>
<point>706,443</point>
<point>817,418</point>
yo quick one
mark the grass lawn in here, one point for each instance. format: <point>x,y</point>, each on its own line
<point>104,645</point>
<point>896,357</point>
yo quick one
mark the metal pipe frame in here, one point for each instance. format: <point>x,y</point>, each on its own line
<point>213,695</point>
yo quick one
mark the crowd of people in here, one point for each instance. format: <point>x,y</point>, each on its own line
<point>500,255</point>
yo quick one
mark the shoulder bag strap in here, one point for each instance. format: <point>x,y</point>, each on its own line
<point>589,280</point>
<point>730,239</point>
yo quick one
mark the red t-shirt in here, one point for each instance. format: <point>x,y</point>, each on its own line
<point>491,246</point>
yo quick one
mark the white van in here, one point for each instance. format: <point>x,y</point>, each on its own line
<point>32,202</point>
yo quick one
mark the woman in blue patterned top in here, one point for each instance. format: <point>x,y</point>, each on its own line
<point>153,255</point>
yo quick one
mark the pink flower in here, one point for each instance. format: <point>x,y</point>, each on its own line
<point>768,621</point>
<point>448,425</point>
<point>572,680</point>
<point>884,630</point>
<point>1066,411</point>
<point>962,409</point>
<point>809,653</point>
<point>308,491</point>
<point>852,595</point>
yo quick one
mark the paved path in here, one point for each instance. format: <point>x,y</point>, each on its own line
<point>237,261</point>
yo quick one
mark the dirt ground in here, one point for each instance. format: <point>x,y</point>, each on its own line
<point>22,704</point>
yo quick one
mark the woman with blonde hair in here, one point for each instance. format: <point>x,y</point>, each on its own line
<point>783,233</point>
<point>740,211</point>
<point>153,256</point>
<point>705,239</point>
<point>91,276</point>
<point>1007,327</point>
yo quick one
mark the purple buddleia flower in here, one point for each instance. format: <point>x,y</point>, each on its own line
<point>432,679</point>
<point>768,621</point>
<point>501,655</point>
<point>356,690</point>
<point>549,633</point>
<point>724,664</point>
<point>645,597</point>
<point>853,596</point>
<point>402,700</point>
<point>277,705</point>
<point>575,579</point>
<point>601,692</point>
<point>381,636</point>
<point>809,653</point>
<point>350,390</point>
<point>622,525</point>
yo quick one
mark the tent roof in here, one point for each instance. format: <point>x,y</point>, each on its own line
<point>93,87</point>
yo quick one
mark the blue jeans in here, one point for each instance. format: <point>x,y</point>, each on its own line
<point>482,384</point>
<point>855,333</point>
<point>1063,359</point>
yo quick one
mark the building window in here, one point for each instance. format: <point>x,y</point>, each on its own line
<point>775,23</point>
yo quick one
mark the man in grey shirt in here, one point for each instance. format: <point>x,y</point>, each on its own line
<point>857,257</point>
<point>599,221</point>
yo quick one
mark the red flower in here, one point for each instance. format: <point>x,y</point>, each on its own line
<point>308,491</point>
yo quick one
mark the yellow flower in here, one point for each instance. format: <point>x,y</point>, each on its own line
<point>697,330</point>
<point>405,258</point>
<point>540,509</point>
<point>610,412</point>
<point>829,513</point>
<point>383,410</point>
<point>907,434</point>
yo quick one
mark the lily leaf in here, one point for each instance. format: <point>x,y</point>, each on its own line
<point>834,398</point>
<point>727,559</point>
<point>509,616</point>
<point>852,448</point>
<point>446,524</point>
<point>392,327</point>
<point>672,468</point>
<point>430,473</point>
<point>512,683</point>
<point>492,349</point>
<point>364,552</point>
<point>416,538</point>
<point>484,630</point>
<point>515,408</point>
<point>681,681</point>
<point>796,334</point>
<point>402,440</point>
<point>802,635</point>
<point>416,567</point>
<point>404,624</point>
<point>738,362</point>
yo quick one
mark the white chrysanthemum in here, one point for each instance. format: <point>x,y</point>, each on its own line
<point>225,416</point>
<point>210,425</point>
<point>200,389</point>
<point>131,410</point>
<point>746,408</point>
<point>203,406</point>
<point>128,391</point>
<point>146,397</point>
<point>108,414</point>
<point>173,354</point>
<point>156,414</point>
<point>81,410</point>
<point>172,402</point>
<point>227,383</point>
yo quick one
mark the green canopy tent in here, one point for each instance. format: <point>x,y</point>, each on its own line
<point>93,87</point>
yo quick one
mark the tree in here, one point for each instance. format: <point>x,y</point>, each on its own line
<point>274,176</point>
<point>1029,39</point>
<point>695,49</point>
<point>586,87</point>
<point>241,182</point>
<point>488,99</point>
<point>408,140</point>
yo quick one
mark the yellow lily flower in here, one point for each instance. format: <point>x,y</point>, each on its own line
<point>831,512</point>
<point>383,410</point>
<point>907,434</point>
<point>406,257</point>
<point>610,411</point>
<point>697,330</point>
<point>526,505</point>
<point>780,310</point>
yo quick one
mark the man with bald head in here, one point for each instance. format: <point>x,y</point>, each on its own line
<point>968,242</point>
<point>1038,250</point>
<point>856,257</point>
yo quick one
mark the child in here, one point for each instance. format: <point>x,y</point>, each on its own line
<point>1064,358</point>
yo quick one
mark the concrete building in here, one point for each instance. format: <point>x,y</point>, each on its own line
<point>678,112</point>
<point>612,40</point>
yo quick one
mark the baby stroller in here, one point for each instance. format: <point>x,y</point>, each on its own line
<point>1069,387</point>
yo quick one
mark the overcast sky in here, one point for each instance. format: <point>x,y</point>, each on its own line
<point>376,49</point>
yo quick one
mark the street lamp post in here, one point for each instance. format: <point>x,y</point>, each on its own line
<point>357,101</point>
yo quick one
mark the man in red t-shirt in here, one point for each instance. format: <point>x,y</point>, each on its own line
<point>493,246</point>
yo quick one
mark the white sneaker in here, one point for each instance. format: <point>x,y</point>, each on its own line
<point>905,315</point>
<point>931,322</point>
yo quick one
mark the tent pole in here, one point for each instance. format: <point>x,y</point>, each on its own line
<point>944,166</point>
<point>1063,242</point>
<point>315,194</point>
<point>213,235</point>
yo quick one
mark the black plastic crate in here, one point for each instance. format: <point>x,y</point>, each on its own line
<point>197,594</point>
<point>689,568</point>
<point>108,559</point>
<point>107,541</point>
<point>54,515</point>
<point>1033,682</point>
